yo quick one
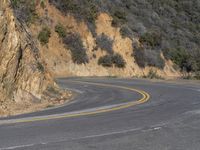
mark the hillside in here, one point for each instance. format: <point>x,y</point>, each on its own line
<point>115,38</point>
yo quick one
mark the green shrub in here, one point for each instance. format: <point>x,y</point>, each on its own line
<point>148,58</point>
<point>126,32</point>
<point>40,67</point>
<point>118,61</point>
<point>105,61</point>
<point>42,4</point>
<point>91,12</point>
<point>139,56</point>
<point>85,9</point>
<point>52,90</point>
<point>153,58</point>
<point>152,75</point>
<point>181,58</point>
<point>119,18</point>
<point>152,39</point>
<point>25,10</point>
<point>94,56</point>
<point>44,35</point>
<point>110,60</point>
<point>15,3</point>
<point>191,76</point>
<point>194,58</point>
<point>197,75</point>
<point>82,10</point>
<point>60,29</point>
<point>105,43</point>
<point>167,53</point>
<point>74,43</point>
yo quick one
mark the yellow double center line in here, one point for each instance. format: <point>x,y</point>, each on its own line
<point>145,98</point>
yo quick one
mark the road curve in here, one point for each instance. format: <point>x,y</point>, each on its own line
<point>113,114</point>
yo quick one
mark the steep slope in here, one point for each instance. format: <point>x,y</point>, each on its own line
<point>98,39</point>
<point>24,82</point>
<point>115,38</point>
<point>166,30</point>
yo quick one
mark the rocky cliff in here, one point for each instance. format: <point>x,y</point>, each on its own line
<point>23,79</point>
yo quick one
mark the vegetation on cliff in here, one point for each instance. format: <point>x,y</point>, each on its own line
<point>164,28</point>
<point>24,79</point>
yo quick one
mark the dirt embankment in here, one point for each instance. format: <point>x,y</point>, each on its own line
<point>58,58</point>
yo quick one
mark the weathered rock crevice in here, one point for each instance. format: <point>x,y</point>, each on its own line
<point>23,77</point>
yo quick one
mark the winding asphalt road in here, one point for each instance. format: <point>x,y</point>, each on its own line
<point>111,114</point>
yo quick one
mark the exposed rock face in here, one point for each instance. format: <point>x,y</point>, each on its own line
<point>58,57</point>
<point>22,75</point>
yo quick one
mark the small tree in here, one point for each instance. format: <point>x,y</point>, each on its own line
<point>153,75</point>
<point>75,44</point>
<point>60,29</point>
<point>118,60</point>
<point>110,60</point>
<point>42,4</point>
<point>146,57</point>
<point>152,39</point>
<point>119,18</point>
<point>105,61</point>
<point>105,43</point>
<point>44,35</point>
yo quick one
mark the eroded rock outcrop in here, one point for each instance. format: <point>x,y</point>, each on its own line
<point>23,78</point>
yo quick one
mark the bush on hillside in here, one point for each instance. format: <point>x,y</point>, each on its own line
<point>15,3</point>
<point>74,43</point>
<point>91,12</point>
<point>125,31</point>
<point>40,67</point>
<point>44,35</point>
<point>119,18</point>
<point>153,58</point>
<point>152,75</point>
<point>195,55</point>
<point>148,58</point>
<point>139,57</point>
<point>109,60</point>
<point>176,20</point>
<point>85,9</point>
<point>151,39</point>
<point>25,10</point>
<point>105,43</point>
<point>105,61</point>
<point>181,58</point>
<point>42,4</point>
<point>60,29</point>
<point>197,75</point>
<point>118,61</point>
